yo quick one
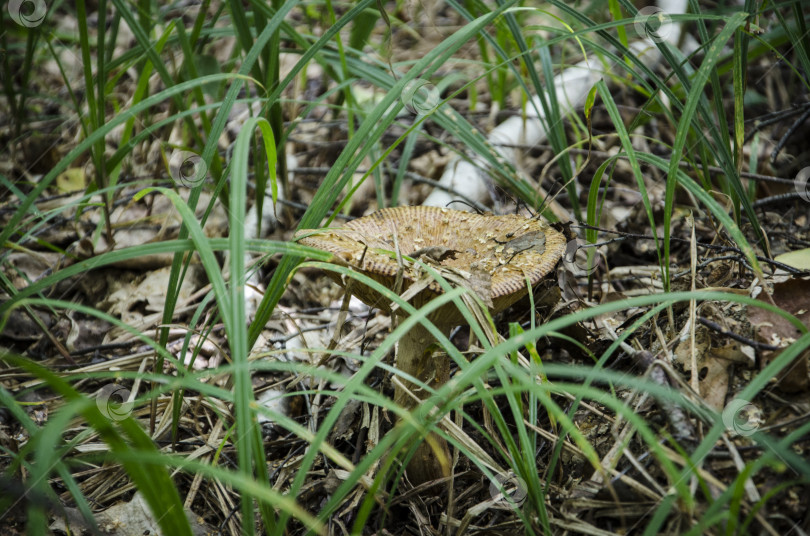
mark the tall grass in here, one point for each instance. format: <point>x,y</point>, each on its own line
<point>508,380</point>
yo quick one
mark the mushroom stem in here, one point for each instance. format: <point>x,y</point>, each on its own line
<point>415,357</point>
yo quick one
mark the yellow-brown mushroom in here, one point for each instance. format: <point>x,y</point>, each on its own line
<point>495,254</point>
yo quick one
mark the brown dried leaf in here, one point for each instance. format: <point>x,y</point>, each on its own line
<point>792,296</point>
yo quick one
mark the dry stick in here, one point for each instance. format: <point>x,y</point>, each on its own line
<point>210,446</point>
<point>302,206</point>
<point>772,118</point>
<point>683,164</point>
<point>414,177</point>
<point>790,131</point>
<point>715,247</point>
<point>780,198</point>
<point>739,463</point>
<point>739,338</point>
<point>452,499</point>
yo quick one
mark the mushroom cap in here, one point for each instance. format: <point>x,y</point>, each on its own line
<point>494,254</point>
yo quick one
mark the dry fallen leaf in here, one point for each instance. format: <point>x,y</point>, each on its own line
<point>133,518</point>
<point>799,259</point>
<point>792,296</point>
<point>713,371</point>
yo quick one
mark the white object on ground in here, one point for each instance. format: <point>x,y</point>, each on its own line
<point>254,290</point>
<point>572,87</point>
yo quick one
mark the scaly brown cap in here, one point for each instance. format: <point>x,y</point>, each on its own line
<point>495,254</point>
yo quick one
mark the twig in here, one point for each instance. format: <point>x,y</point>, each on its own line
<point>415,177</point>
<point>777,199</point>
<point>715,247</point>
<point>739,338</point>
<point>790,131</point>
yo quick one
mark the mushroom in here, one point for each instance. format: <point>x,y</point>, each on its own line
<point>495,255</point>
